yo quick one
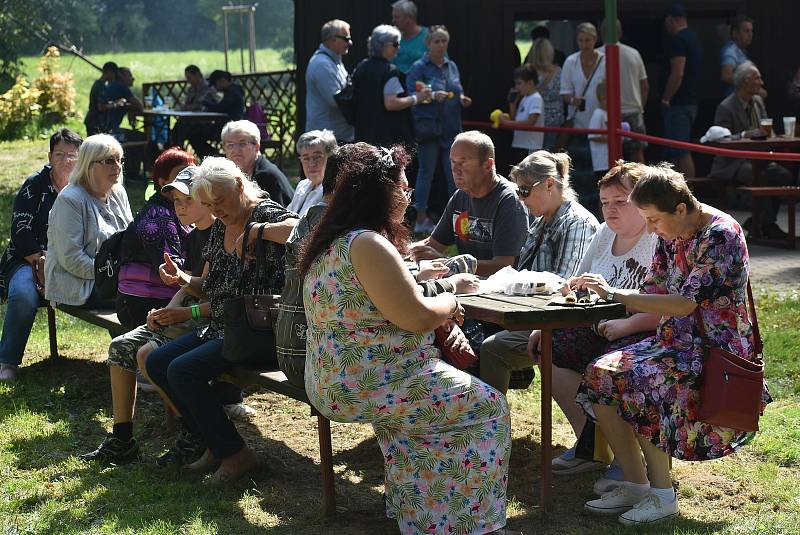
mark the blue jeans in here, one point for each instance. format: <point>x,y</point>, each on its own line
<point>678,121</point>
<point>23,300</point>
<point>428,154</point>
<point>183,369</point>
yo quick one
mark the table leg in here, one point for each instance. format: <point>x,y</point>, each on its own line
<point>546,469</point>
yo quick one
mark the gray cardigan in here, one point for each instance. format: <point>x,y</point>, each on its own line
<point>78,225</point>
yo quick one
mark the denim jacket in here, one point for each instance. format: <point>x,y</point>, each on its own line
<point>444,78</point>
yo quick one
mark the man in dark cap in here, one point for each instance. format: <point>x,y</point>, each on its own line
<point>679,95</point>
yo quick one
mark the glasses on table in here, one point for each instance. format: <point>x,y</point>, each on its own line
<point>111,160</point>
<point>523,190</point>
<point>240,145</point>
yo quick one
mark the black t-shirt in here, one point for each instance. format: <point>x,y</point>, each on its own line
<point>684,44</point>
<point>272,180</point>
<point>194,251</point>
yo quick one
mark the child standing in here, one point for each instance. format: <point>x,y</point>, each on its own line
<point>528,110</point>
<point>599,142</point>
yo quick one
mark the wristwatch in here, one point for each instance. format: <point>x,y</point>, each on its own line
<point>610,296</point>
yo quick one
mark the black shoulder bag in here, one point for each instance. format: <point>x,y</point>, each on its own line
<point>250,318</point>
<point>107,263</point>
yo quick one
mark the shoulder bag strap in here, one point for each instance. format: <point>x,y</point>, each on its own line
<point>757,342</point>
<point>591,76</point>
<point>243,270</point>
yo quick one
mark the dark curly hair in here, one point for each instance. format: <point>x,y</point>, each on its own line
<point>366,197</point>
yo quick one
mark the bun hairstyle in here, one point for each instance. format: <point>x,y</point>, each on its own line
<point>543,164</point>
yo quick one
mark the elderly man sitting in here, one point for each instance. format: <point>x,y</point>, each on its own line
<point>241,142</point>
<point>483,217</point>
<point>741,113</point>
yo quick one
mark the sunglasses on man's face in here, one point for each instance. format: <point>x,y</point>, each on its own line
<point>344,38</point>
<point>523,190</point>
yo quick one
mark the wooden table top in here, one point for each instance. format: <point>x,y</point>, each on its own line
<point>204,115</point>
<point>777,143</point>
<point>514,312</point>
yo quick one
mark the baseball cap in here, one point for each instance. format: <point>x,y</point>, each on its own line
<point>715,133</point>
<point>183,181</point>
<point>675,10</point>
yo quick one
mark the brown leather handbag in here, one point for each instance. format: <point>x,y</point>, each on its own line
<point>732,387</point>
<point>250,320</point>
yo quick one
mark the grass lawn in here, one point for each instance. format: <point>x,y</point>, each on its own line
<point>62,408</point>
<point>153,66</point>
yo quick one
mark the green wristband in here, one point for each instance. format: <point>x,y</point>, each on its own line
<point>195,312</point>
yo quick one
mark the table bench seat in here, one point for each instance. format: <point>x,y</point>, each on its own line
<point>790,195</point>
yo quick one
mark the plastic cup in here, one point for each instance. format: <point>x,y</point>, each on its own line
<point>148,102</point>
<point>789,125</point>
<point>766,126</point>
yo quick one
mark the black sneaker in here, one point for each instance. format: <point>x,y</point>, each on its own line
<point>187,449</point>
<point>113,450</point>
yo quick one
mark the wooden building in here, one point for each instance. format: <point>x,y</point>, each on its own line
<point>482,42</point>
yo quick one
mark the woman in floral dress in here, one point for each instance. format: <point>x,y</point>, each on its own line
<point>645,396</point>
<point>445,436</point>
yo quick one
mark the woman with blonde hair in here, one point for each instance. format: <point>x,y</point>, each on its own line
<point>85,214</point>
<point>541,57</point>
<point>557,240</point>
<point>184,367</point>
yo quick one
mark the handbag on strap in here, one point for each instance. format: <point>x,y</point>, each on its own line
<point>732,386</point>
<point>250,318</point>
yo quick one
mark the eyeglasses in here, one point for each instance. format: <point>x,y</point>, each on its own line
<point>111,160</point>
<point>66,156</point>
<point>523,190</point>
<point>344,38</point>
<point>241,145</point>
<point>396,44</point>
<point>313,160</point>
<point>408,191</point>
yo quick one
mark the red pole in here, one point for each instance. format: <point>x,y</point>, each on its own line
<point>614,103</point>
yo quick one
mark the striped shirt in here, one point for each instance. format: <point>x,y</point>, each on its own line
<point>558,246</point>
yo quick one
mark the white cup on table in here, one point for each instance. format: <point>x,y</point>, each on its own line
<point>789,125</point>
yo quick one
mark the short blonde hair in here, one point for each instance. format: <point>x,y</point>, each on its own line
<point>542,164</point>
<point>244,127</point>
<point>543,53</point>
<point>94,148</point>
<point>586,27</point>
<point>219,171</point>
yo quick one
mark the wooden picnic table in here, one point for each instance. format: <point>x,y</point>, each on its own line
<point>789,194</point>
<point>518,313</point>
<point>202,116</point>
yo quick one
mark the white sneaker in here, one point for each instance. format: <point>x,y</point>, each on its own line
<point>614,502</point>
<point>612,478</point>
<point>649,510</point>
<point>239,411</point>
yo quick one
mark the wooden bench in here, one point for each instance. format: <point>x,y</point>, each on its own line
<point>789,194</point>
<point>709,187</point>
<point>271,380</point>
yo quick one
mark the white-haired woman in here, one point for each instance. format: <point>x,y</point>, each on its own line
<point>383,106</point>
<point>313,149</point>
<point>241,141</point>
<point>184,367</point>
<point>557,241</point>
<point>84,215</point>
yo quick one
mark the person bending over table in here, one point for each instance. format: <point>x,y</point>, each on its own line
<point>645,396</point>
<point>183,367</point>
<point>85,214</point>
<point>557,241</point>
<point>21,276</point>
<point>483,217</point>
<point>241,141</point>
<point>371,357</point>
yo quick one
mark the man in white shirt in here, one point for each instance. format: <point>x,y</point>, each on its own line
<point>634,89</point>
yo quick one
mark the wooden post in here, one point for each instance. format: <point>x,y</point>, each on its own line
<point>326,466</point>
<point>51,331</point>
<point>546,469</point>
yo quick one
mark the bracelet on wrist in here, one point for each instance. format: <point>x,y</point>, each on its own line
<point>415,99</point>
<point>195,311</point>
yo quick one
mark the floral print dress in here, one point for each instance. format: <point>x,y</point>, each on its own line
<point>655,383</point>
<point>445,436</point>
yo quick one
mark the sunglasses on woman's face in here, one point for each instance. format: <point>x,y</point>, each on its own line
<point>523,190</point>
